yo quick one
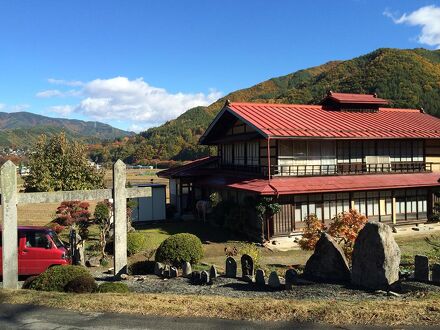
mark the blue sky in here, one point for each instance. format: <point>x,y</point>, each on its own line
<point>135,64</point>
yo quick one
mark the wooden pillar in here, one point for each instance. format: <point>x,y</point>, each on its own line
<point>394,218</point>
<point>120,218</point>
<point>9,194</point>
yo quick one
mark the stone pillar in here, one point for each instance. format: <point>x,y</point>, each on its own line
<point>436,273</point>
<point>421,268</point>
<point>120,218</point>
<point>8,178</point>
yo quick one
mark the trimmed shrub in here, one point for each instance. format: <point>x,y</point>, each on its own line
<point>136,242</point>
<point>27,283</point>
<point>115,287</point>
<point>141,267</point>
<point>56,278</point>
<point>81,284</point>
<point>179,248</point>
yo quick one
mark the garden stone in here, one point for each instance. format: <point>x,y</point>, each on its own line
<point>213,273</point>
<point>231,267</point>
<point>291,278</point>
<point>93,262</point>
<point>204,277</point>
<point>195,277</point>
<point>124,277</point>
<point>328,262</point>
<point>158,268</point>
<point>274,281</point>
<point>259,277</point>
<point>376,257</point>
<point>166,271</point>
<point>247,266</point>
<point>421,268</point>
<point>186,269</point>
<point>174,272</point>
<point>436,273</point>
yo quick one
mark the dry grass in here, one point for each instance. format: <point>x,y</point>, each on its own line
<point>39,214</point>
<point>417,311</point>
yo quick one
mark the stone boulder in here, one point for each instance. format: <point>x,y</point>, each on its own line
<point>158,268</point>
<point>260,277</point>
<point>274,281</point>
<point>291,278</point>
<point>328,262</point>
<point>186,269</point>
<point>376,257</point>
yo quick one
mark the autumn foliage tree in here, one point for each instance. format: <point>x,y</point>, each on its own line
<point>74,214</point>
<point>311,232</point>
<point>344,228</point>
<point>58,164</point>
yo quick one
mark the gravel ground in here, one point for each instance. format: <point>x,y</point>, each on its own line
<point>239,289</point>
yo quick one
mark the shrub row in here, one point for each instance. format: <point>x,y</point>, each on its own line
<point>75,279</point>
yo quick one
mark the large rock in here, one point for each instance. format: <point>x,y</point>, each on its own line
<point>328,262</point>
<point>376,257</point>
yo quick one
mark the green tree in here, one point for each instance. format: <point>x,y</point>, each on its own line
<point>103,214</point>
<point>58,164</point>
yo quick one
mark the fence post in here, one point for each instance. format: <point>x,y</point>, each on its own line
<point>8,180</point>
<point>120,218</point>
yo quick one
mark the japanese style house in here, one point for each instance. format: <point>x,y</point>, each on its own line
<point>352,151</point>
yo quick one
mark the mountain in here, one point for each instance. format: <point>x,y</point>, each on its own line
<point>21,129</point>
<point>408,78</point>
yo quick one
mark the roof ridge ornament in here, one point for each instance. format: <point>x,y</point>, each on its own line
<point>227,103</point>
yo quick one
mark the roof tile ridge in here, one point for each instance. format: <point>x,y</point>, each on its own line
<point>276,104</point>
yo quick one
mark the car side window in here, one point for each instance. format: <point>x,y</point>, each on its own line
<point>36,239</point>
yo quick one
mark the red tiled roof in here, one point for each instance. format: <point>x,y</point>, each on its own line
<point>321,184</point>
<point>345,98</point>
<point>188,167</point>
<point>293,120</point>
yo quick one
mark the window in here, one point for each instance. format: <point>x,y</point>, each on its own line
<point>252,153</point>
<point>227,153</point>
<point>239,158</point>
<point>36,239</point>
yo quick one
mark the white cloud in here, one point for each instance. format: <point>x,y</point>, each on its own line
<point>73,83</point>
<point>63,110</point>
<point>428,18</point>
<point>57,93</point>
<point>2,106</point>
<point>18,107</point>
<point>133,101</point>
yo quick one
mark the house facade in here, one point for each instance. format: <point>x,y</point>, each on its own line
<point>352,151</point>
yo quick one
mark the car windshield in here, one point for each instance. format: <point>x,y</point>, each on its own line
<point>55,239</point>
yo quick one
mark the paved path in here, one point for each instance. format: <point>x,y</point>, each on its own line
<point>37,317</point>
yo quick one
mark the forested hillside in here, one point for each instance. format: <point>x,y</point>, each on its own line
<point>408,78</point>
<point>22,129</point>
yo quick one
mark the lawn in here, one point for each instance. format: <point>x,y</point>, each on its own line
<point>216,239</point>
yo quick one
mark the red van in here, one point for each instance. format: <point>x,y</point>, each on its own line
<point>38,249</point>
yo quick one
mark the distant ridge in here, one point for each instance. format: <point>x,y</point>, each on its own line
<point>21,129</point>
